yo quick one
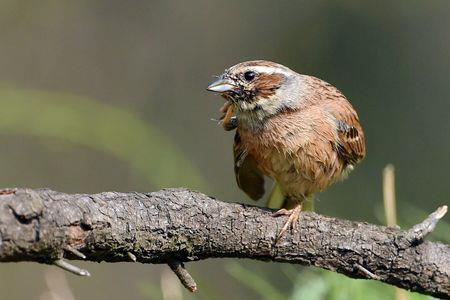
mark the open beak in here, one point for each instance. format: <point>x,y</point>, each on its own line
<point>222,85</point>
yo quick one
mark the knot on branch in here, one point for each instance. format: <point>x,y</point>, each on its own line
<point>418,232</point>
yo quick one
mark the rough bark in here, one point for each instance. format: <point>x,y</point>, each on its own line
<point>178,225</point>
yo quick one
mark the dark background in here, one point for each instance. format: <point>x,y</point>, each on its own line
<point>110,95</point>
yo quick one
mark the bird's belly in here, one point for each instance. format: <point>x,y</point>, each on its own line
<point>299,174</point>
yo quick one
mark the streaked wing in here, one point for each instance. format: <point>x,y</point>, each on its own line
<point>351,145</point>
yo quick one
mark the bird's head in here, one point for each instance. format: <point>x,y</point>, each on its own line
<point>258,89</point>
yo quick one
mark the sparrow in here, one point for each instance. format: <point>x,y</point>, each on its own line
<point>296,129</point>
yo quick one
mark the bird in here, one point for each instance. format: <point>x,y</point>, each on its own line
<point>296,129</point>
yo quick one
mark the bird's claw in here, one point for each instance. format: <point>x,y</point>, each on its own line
<point>291,222</point>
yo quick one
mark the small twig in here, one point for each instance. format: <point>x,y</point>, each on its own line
<point>389,200</point>
<point>71,268</point>
<point>132,256</point>
<point>367,272</point>
<point>182,274</point>
<point>419,231</point>
<point>74,252</point>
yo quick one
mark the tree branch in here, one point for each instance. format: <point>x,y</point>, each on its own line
<point>177,225</point>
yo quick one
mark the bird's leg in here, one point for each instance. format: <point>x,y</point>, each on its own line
<point>291,222</point>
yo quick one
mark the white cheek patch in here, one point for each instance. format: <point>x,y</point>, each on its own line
<point>270,105</point>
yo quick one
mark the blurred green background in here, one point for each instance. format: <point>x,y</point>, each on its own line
<point>110,95</point>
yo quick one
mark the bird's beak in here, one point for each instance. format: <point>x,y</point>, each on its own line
<point>222,85</point>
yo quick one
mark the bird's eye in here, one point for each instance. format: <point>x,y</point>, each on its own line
<point>249,75</point>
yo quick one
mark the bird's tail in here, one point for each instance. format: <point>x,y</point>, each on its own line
<point>277,200</point>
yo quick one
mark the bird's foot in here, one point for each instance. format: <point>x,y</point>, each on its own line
<point>291,222</point>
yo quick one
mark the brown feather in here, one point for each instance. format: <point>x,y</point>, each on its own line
<point>307,149</point>
<point>266,85</point>
<point>296,129</point>
<point>350,145</point>
<point>248,176</point>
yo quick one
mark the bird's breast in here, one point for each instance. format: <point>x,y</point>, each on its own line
<point>296,151</point>
<point>274,145</point>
